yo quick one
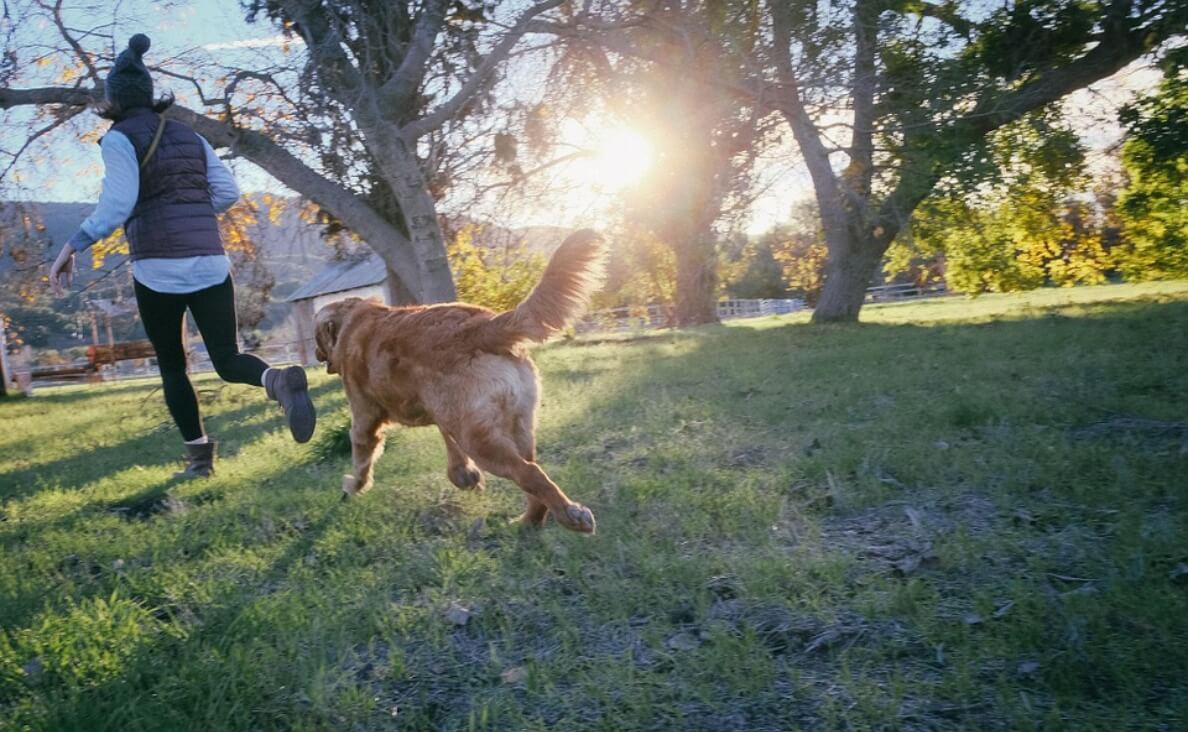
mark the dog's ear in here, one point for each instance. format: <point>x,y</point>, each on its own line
<point>325,338</point>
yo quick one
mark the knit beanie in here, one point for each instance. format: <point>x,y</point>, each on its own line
<point>128,83</point>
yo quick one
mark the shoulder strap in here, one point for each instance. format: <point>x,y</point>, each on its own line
<point>153,145</point>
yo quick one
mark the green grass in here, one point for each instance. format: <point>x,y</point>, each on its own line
<point>957,515</point>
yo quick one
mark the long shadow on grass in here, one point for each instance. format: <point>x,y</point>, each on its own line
<point>783,374</point>
<point>867,390</point>
<point>141,675</point>
<point>153,447</point>
<point>769,382</point>
<point>147,502</point>
<point>147,508</point>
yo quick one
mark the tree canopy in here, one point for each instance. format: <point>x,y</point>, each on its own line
<point>1154,204</point>
<point>360,121</point>
<point>913,119</point>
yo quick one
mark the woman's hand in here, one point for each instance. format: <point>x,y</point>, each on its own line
<point>61,274</point>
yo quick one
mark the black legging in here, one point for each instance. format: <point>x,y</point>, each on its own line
<point>214,311</point>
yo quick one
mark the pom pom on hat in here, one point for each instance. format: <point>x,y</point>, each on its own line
<point>139,43</point>
<point>128,83</point>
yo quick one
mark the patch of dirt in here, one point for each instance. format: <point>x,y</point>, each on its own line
<point>898,537</point>
<point>150,506</point>
<point>436,679</point>
<point>746,457</point>
<point>912,521</point>
<point>442,518</point>
<point>1154,433</point>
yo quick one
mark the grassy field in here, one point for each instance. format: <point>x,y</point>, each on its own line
<point>957,515</point>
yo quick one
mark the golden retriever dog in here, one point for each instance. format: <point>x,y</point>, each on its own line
<point>465,369</point>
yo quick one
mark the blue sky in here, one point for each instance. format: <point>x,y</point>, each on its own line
<point>67,169</point>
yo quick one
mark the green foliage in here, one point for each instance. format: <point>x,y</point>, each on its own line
<point>494,277</point>
<point>641,271</point>
<point>1024,229</point>
<point>1028,238</point>
<point>1154,204</point>
<point>751,271</point>
<point>35,324</point>
<point>788,259</point>
<point>333,442</point>
<point>1026,36</point>
<point>801,255</point>
<point>797,249</point>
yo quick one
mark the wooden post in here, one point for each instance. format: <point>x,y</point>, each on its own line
<point>303,325</point>
<point>25,378</point>
<point>5,374</point>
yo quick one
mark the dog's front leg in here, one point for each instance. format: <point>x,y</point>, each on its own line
<point>366,447</point>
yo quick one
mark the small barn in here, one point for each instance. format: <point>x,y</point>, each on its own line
<point>363,276</point>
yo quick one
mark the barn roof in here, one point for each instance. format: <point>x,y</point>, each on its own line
<point>347,274</point>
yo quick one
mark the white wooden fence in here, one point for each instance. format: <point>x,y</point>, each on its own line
<point>615,320</point>
<point>908,291</point>
<point>646,317</point>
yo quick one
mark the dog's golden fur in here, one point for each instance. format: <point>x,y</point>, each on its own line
<point>465,369</point>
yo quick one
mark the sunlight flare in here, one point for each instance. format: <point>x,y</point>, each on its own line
<point>621,157</point>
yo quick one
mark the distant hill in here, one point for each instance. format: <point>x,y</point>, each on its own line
<point>292,250</point>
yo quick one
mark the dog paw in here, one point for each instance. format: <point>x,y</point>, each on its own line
<point>466,477</point>
<point>533,517</point>
<point>351,486</point>
<point>576,517</point>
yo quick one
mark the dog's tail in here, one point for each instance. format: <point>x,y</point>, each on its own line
<point>573,274</point>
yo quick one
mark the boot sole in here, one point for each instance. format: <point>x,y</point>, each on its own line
<point>302,416</point>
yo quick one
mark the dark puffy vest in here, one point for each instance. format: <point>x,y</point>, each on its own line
<point>173,216</point>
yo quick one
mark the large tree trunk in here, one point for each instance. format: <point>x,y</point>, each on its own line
<point>848,272</point>
<point>697,279</point>
<point>398,292</point>
<point>379,234</point>
<point>403,172</point>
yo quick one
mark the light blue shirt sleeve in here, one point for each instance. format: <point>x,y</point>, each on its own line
<point>224,192</point>
<point>121,188</point>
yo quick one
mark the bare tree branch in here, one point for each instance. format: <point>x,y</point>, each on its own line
<point>325,46</point>
<point>63,118</point>
<point>481,77</point>
<point>786,98</point>
<point>861,168</point>
<point>408,77</point>
<point>1121,43</point>
<point>80,54</point>
<point>260,149</point>
<point>76,97</point>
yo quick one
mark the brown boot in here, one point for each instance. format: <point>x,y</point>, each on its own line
<point>289,387</point>
<point>199,461</point>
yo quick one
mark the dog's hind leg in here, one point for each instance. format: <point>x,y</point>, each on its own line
<point>499,455</point>
<point>534,514</point>
<point>461,469</point>
<point>525,437</point>
<point>366,447</point>
<point>535,511</point>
